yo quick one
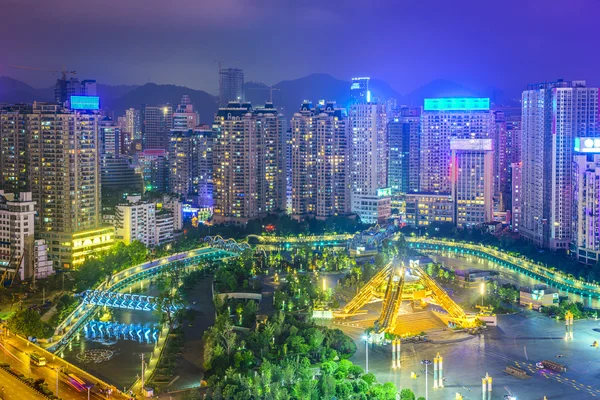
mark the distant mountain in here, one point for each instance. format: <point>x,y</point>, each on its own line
<point>153,94</point>
<point>14,91</point>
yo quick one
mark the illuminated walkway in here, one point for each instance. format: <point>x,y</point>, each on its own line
<point>120,300</point>
<point>546,275</point>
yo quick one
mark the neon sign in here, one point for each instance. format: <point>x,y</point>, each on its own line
<point>85,103</point>
<point>457,104</point>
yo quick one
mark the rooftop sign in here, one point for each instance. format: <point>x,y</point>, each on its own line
<point>85,103</point>
<point>457,104</point>
<point>587,145</point>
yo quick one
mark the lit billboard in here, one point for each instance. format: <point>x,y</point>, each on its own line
<point>457,104</point>
<point>587,145</point>
<point>85,103</point>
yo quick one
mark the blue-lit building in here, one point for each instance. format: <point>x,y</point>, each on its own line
<point>442,120</point>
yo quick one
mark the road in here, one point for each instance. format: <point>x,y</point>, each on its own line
<point>19,361</point>
<point>13,389</point>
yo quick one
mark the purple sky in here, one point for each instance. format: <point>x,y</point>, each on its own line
<point>408,43</point>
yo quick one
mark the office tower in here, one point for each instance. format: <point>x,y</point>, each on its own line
<point>507,143</point>
<point>516,196</point>
<point>157,122</point>
<point>359,91</point>
<point>64,178</point>
<point>247,163</point>
<point>153,167</point>
<point>319,162</point>
<point>444,119</point>
<point>472,181</point>
<point>553,115</point>
<point>586,200</point>
<point>133,123</point>
<point>13,148</point>
<point>205,166</point>
<point>118,179</point>
<point>189,156</point>
<point>370,197</point>
<point>231,86</point>
<point>184,117</point>
<point>403,161</point>
<point>109,137</point>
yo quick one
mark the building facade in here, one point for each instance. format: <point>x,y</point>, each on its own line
<point>157,122</point>
<point>423,209</point>
<point>442,120</point>
<point>516,196</point>
<point>553,115</point>
<point>472,181</point>
<point>185,117</point>
<point>319,162</point>
<point>403,162</point>
<point>231,86</point>
<point>370,196</point>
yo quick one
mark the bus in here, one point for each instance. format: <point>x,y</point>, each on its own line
<point>77,383</point>
<point>37,359</point>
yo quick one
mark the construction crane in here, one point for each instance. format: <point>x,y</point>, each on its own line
<point>270,88</point>
<point>63,71</point>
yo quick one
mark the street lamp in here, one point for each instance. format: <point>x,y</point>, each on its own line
<point>426,363</point>
<point>366,338</point>
<point>482,291</point>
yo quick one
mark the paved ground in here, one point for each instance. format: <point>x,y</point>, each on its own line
<point>520,340</point>
<point>13,389</point>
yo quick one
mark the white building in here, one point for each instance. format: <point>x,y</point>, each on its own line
<point>19,252</point>
<point>472,181</point>
<point>444,119</point>
<point>185,117</point>
<point>586,200</point>
<point>175,206</point>
<point>553,115</point>
<point>370,196</point>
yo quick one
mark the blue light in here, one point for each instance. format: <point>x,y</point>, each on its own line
<point>457,104</point>
<point>368,96</point>
<point>85,103</point>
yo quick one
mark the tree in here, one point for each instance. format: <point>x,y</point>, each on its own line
<point>407,394</point>
<point>27,322</point>
<point>167,305</point>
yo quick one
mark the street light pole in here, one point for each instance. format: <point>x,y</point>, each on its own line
<point>366,338</point>
<point>482,290</point>
<point>426,362</point>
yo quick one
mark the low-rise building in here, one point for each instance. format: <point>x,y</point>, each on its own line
<point>423,209</point>
<point>538,296</point>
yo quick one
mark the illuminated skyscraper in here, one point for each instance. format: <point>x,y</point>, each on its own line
<point>553,115</point>
<point>157,122</point>
<point>472,183</point>
<point>403,161</point>
<point>370,196</point>
<point>360,90</point>
<point>231,86</point>
<point>248,163</point>
<point>14,148</point>
<point>507,150</point>
<point>516,195</point>
<point>185,117</point>
<point>109,137</point>
<point>444,119</point>
<point>133,123</point>
<point>319,156</point>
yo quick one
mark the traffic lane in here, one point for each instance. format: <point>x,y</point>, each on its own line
<point>20,362</point>
<point>13,389</point>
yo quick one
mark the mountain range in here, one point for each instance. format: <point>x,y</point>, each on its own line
<point>287,94</point>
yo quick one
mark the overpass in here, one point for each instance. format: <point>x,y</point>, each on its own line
<point>524,266</point>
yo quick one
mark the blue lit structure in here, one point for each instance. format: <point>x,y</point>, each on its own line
<point>457,104</point>
<point>85,103</point>
<point>121,300</point>
<point>115,330</point>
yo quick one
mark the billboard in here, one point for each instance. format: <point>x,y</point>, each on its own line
<point>85,103</point>
<point>587,145</point>
<point>457,104</point>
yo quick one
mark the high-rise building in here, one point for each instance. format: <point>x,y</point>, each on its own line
<point>133,124</point>
<point>319,162</point>
<point>360,90</point>
<point>423,209</point>
<point>205,166</point>
<point>13,148</point>
<point>586,200</point>
<point>516,196</point>
<point>507,143</point>
<point>64,178</point>
<point>231,86</point>
<point>472,181</point>
<point>444,119</point>
<point>65,88</point>
<point>553,115</point>
<point>16,225</point>
<point>109,138</point>
<point>153,167</point>
<point>184,117</point>
<point>157,122</point>
<point>370,196</point>
<point>190,164</point>
<point>403,161</point>
<point>248,165</point>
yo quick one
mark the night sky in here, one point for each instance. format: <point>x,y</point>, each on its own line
<point>479,43</point>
